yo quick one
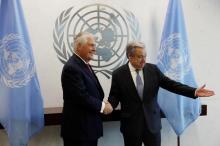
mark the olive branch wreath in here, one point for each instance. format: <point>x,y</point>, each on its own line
<point>58,35</point>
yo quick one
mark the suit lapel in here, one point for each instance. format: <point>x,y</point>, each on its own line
<point>130,83</point>
<point>90,74</point>
<point>95,78</point>
<point>146,74</point>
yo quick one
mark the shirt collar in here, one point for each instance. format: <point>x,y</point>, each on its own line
<point>131,67</point>
<point>80,58</point>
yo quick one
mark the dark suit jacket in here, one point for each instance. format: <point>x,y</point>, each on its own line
<point>82,95</point>
<point>123,90</point>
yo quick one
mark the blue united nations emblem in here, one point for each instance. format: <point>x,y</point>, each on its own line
<point>173,57</point>
<point>17,66</point>
<point>112,30</point>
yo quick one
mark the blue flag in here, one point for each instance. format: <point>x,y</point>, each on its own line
<point>21,105</point>
<point>174,61</point>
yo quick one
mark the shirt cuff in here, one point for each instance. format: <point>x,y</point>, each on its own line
<point>103,107</point>
<point>195,92</point>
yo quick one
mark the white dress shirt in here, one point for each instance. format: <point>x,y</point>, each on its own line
<point>134,74</point>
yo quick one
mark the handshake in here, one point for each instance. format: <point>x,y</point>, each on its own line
<point>108,108</point>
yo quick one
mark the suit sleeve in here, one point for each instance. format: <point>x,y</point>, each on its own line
<point>73,84</point>
<point>114,95</point>
<point>174,86</point>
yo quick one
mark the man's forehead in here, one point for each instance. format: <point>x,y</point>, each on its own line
<point>140,50</point>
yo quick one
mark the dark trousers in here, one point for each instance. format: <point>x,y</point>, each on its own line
<point>148,138</point>
<point>68,142</point>
<point>139,134</point>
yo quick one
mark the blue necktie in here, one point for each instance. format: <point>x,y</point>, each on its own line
<point>139,85</point>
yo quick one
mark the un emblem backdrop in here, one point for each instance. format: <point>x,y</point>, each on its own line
<point>112,27</point>
<point>54,24</point>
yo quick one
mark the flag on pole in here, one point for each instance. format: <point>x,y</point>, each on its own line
<point>21,105</point>
<point>174,61</point>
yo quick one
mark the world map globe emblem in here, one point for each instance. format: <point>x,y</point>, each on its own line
<point>17,67</point>
<point>109,26</point>
<point>174,52</point>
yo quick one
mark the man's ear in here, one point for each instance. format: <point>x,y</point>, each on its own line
<point>129,57</point>
<point>79,47</point>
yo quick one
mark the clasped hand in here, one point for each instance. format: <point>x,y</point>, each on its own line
<point>108,108</point>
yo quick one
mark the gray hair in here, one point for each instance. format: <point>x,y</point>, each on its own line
<point>81,39</point>
<point>130,48</point>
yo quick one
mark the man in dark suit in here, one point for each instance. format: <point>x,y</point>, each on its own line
<point>83,96</point>
<point>135,85</point>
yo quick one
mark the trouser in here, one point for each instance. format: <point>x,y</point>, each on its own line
<point>148,138</point>
<point>68,142</point>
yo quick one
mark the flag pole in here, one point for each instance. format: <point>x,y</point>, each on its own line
<point>178,140</point>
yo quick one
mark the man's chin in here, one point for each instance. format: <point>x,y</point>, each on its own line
<point>141,67</point>
<point>90,57</point>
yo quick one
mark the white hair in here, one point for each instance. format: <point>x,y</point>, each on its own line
<point>130,48</point>
<point>81,39</point>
